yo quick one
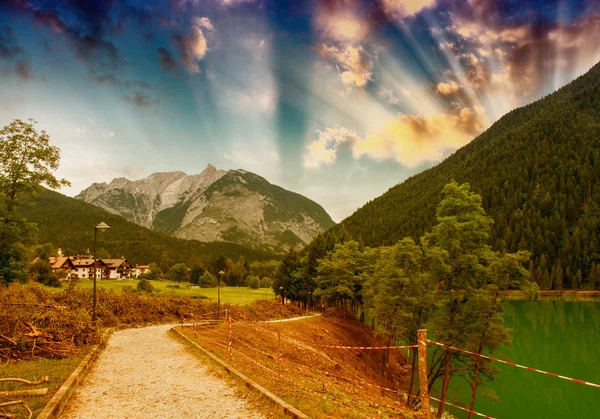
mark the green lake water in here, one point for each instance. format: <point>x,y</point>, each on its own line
<point>556,336</point>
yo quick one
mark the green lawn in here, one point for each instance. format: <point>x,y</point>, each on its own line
<point>57,370</point>
<point>234,295</point>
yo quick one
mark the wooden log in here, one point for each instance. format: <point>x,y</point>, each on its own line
<point>23,381</point>
<point>424,393</point>
<point>36,392</point>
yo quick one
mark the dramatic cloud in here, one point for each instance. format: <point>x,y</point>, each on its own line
<point>447,89</point>
<point>399,9</point>
<point>193,45</point>
<point>343,30</point>
<point>504,55</point>
<point>409,139</point>
<point>354,67</point>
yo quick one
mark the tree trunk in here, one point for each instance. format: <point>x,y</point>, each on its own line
<point>445,383</point>
<point>474,388</point>
<point>412,376</point>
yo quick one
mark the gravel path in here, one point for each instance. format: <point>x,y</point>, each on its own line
<point>145,373</point>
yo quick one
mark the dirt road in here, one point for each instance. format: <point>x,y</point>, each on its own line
<point>145,373</point>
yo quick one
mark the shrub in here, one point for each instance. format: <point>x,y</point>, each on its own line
<point>253,282</point>
<point>145,286</point>
<point>265,282</point>
<point>207,280</point>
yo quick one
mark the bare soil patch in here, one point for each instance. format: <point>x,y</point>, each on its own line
<point>291,360</point>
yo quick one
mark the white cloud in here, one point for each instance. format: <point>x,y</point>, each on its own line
<point>193,46</point>
<point>447,89</point>
<point>80,130</point>
<point>389,96</point>
<point>111,134</point>
<point>355,69</point>
<point>324,148</point>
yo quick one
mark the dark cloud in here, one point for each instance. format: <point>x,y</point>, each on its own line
<point>142,101</point>
<point>13,60</point>
<point>93,15</point>
<point>9,49</point>
<point>166,59</point>
<point>85,34</point>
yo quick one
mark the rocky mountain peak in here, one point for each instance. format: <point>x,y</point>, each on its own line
<point>216,205</point>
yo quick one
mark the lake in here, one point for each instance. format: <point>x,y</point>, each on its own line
<point>562,337</point>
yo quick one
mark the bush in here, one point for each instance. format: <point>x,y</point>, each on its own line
<point>145,286</point>
<point>253,282</point>
<point>207,280</point>
<point>265,282</point>
<point>41,271</point>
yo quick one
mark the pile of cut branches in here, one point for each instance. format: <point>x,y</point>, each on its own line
<point>33,325</point>
<point>38,323</point>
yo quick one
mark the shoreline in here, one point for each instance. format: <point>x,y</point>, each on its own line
<point>566,295</point>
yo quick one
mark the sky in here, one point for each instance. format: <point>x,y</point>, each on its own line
<point>338,100</point>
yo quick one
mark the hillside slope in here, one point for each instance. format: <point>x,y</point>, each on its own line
<point>538,171</point>
<point>233,206</point>
<point>69,224</point>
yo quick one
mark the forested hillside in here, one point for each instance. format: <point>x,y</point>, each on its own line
<point>538,172</point>
<point>69,224</point>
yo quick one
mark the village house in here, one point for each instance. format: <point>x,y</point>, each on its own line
<point>141,270</point>
<point>83,267</point>
<point>117,268</point>
<point>63,264</point>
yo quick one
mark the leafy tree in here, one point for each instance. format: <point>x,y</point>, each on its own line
<point>207,280</point>
<point>283,278</point>
<point>27,160</point>
<point>340,277</point>
<point>44,251</point>
<point>40,271</point>
<point>154,272</point>
<point>399,295</point>
<point>253,282</point>
<point>196,273</point>
<point>265,282</point>
<point>179,273</point>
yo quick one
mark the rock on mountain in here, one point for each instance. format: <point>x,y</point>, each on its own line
<point>216,205</point>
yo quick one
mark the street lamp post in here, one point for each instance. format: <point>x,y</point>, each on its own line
<point>219,292</point>
<point>102,227</point>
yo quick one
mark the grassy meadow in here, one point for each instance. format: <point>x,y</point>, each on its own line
<point>233,295</point>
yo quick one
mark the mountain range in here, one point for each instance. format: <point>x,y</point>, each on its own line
<point>538,172</point>
<point>233,206</point>
<point>69,223</point>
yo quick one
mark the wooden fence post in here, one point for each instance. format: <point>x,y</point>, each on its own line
<point>422,337</point>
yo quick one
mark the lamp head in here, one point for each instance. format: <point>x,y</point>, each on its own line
<point>102,227</point>
<point>221,273</point>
